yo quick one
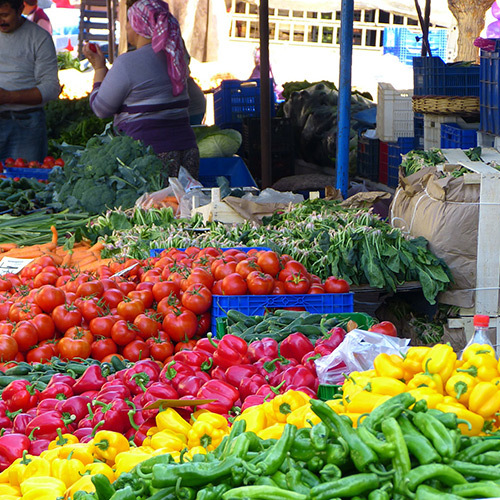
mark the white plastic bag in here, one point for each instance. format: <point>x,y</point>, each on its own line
<point>357,352</point>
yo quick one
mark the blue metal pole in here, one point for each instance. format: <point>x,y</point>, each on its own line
<point>344,103</point>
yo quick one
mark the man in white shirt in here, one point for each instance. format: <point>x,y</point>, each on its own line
<point>28,79</point>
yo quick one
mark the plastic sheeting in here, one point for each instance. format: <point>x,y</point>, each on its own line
<point>440,14</point>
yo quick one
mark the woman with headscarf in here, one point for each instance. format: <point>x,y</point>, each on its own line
<point>146,89</point>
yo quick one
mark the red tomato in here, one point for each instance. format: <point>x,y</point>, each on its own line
<point>197,298</point>
<point>66,316</point>
<point>160,347</point>
<point>147,326</point>
<point>386,328</point>
<point>8,348</point>
<point>166,304</point>
<point>112,297</point>
<point>217,288</point>
<point>269,262</point>
<point>90,308</point>
<point>247,266</point>
<point>279,288</point>
<point>90,288</point>
<point>5,306</point>
<point>41,354</point>
<point>6,327</point>
<point>69,348</point>
<point>59,162</point>
<point>163,289</point>
<point>5,284</point>
<point>145,296</point>
<point>180,324</point>
<point>20,163</point>
<point>29,311</point>
<point>260,283</point>
<point>297,283</point>
<point>129,309</point>
<point>136,350</point>
<point>45,278</point>
<point>334,285</point>
<point>101,326</point>
<point>25,334</point>
<point>316,288</point>
<point>76,332</point>
<point>225,268</point>
<point>123,332</point>
<point>204,324</point>
<point>234,284</point>
<point>44,326</point>
<point>185,345</point>
<point>200,275</point>
<point>102,347</point>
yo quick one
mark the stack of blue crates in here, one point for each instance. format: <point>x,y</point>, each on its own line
<point>455,137</point>
<point>406,45</point>
<point>395,150</point>
<point>489,91</point>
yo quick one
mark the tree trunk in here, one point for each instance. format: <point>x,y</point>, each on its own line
<point>470,18</point>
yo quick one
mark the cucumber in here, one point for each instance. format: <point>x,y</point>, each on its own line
<point>5,380</point>
<point>20,369</point>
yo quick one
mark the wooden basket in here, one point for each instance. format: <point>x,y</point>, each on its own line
<point>446,105</point>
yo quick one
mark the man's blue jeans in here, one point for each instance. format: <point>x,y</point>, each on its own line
<point>23,135</point>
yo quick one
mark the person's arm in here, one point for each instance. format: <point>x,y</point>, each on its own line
<point>46,71</point>
<point>25,96</point>
<point>45,24</point>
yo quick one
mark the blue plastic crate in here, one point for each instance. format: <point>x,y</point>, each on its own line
<point>29,173</point>
<point>418,127</point>
<point>396,149</point>
<point>256,305</point>
<point>454,137</point>
<point>432,76</point>
<point>368,158</point>
<point>405,44</point>
<point>393,176</point>
<point>233,168</point>
<point>236,99</point>
<point>489,96</point>
<point>154,252</point>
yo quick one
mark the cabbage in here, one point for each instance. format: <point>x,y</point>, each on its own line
<point>219,143</point>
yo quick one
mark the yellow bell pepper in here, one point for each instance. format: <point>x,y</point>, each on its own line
<point>7,489</point>
<point>35,488</point>
<point>428,380</point>
<point>50,455</point>
<point>441,360</point>
<point>100,468</point>
<point>26,467</point>
<point>311,418</point>
<point>432,397</point>
<point>482,366</point>
<point>11,497</point>
<point>389,365</point>
<point>450,400</point>
<point>195,450</point>
<point>168,439</point>
<point>475,420</point>
<point>298,416</point>
<point>273,432</point>
<point>62,439</point>
<point>474,349</point>
<point>83,484</point>
<point>284,404</point>
<point>68,470</point>
<point>205,434</point>
<point>127,460</point>
<point>81,451</point>
<point>365,402</point>
<point>107,444</point>
<point>412,362</point>
<point>217,421</point>
<point>386,386</point>
<point>355,382</point>
<point>255,417</point>
<point>337,405</point>
<point>460,386</point>
<point>172,421</point>
<point>485,399</point>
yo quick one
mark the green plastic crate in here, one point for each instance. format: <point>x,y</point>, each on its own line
<point>329,391</point>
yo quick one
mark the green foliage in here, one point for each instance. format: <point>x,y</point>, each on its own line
<point>110,172</point>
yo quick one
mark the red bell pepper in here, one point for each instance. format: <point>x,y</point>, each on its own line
<point>20,395</point>
<point>267,347</point>
<point>91,380</point>
<point>141,375</point>
<point>230,351</point>
<point>225,395</point>
<point>206,345</point>
<point>174,371</point>
<point>112,417</point>
<point>308,360</point>
<point>48,404</point>
<point>45,426</point>
<point>235,374</point>
<point>60,377</point>
<point>333,338</point>
<point>255,400</point>
<point>5,416</point>
<point>86,422</point>
<point>83,432</point>
<point>12,446</point>
<point>58,390</point>
<point>299,376</point>
<point>218,373</point>
<point>273,369</point>
<point>295,346</point>
<point>189,386</point>
<point>196,359</point>
<point>20,423</point>
<point>89,394</point>
<point>141,434</point>
<point>310,392</point>
<point>250,385</point>
<point>38,446</point>
<point>155,391</point>
<point>75,405</point>
<point>269,390</point>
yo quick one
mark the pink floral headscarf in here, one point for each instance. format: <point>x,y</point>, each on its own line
<point>152,19</point>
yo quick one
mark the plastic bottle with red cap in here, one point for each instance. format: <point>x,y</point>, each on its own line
<point>481,324</point>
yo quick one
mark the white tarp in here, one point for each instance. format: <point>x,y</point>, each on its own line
<point>440,14</point>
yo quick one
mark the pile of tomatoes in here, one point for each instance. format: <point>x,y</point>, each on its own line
<point>48,162</point>
<point>160,306</point>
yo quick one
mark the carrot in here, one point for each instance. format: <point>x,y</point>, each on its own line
<point>94,266</point>
<point>56,258</point>
<point>54,235</point>
<point>97,247</point>
<point>67,259</point>
<point>5,247</point>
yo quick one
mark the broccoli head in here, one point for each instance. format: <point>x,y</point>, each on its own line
<point>126,198</point>
<point>98,198</point>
